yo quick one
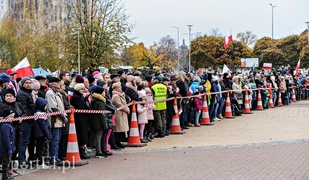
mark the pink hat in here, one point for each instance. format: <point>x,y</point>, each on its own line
<point>95,73</point>
<point>35,84</point>
<point>130,78</point>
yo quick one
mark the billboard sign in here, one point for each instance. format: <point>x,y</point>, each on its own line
<point>249,62</point>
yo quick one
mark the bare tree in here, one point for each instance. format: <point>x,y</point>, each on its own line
<point>215,32</point>
<point>247,37</point>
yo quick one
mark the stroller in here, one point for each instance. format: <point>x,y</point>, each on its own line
<point>235,107</point>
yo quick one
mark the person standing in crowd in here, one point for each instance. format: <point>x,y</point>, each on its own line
<point>197,105</point>
<point>35,86</point>
<point>283,90</point>
<point>79,101</point>
<point>183,91</point>
<point>24,96</point>
<point>99,121</point>
<point>159,92</point>
<point>237,92</point>
<point>215,98</point>
<point>12,84</point>
<point>121,122</point>
<point>142,115</point>
<point>170,112</point>
<point>114,78</point>
<point>43,86</point>
<point>55,104</point>
<point>42,130</point>
<point>66,78</point>
<point>7,143</point>
<point>123,79</point>
<point>65,129</point>
<point>150,118</point>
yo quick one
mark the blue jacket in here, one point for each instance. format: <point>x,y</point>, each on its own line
<point>7,138</point>
<point>42,127</point>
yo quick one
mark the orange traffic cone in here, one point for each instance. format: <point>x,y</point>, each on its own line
<point>175,128</point>
<point>72,156</point>
<point>228,109</point>
<point>293,95</point>
<point>271,103</point>
<point>205,115</point>
<point>134,139</point>
<point>279,100</point>
<point>247,105</point>
<point>259,101</point>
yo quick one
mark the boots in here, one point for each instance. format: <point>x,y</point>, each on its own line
<point>83,154</point>
<point>220,116</point>
<point>7,176</point>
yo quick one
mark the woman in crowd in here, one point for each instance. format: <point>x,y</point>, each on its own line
<point>121,121</point>
<point>237,92</point>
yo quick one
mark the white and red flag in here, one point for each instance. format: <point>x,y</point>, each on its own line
<point>23,69</point>
<point>228,40</point>
<point>225,69</point>
<point>297,68</point>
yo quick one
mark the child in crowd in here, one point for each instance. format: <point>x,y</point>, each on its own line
<point>7,143</point>
<point>197,105</point>
<point>150,108</point>
<point>142,115</point>
<point>42,130</point>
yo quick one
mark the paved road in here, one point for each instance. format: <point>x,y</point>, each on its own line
<point>269,144</point>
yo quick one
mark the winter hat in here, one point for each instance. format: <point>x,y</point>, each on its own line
<point>120,72</point>
<point>23,80</point>
<point>35,84</point>
<point>40,77</point>
<point>98,90</point>
<point>54,79</point>
<point>130,78</point>
<point>7,112</point>
<point>79,79</point>
<point>10,91</point>
<point>40,104</point>
<point>5,77</point>
<point>214,78</point>
<point>90,79</point>
<point>173,78</point>
<point>95,73</point>
<point>79,86</point>
<point>165,79</point>
<point>148,78</point>
<point>159,78</point>
<point>101,83</point>
<point>114,75</point>
<point>141,93</point>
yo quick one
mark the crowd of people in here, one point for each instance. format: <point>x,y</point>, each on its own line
<point>47,136</point>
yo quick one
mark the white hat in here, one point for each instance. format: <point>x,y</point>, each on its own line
<point>214,78</point>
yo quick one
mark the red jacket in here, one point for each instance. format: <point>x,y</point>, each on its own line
<point>198,104</point>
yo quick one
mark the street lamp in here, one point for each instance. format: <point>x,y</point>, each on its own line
<point>272,19</point>
<point>78,51</point>
<point>178,67</point>
<point>308,30</point>
<point>190,26</point>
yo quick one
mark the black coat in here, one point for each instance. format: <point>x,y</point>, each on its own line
<point>98,121</point>
<point>16,107</point>
<point>7,138</point>
<point>25,98</point>
<point>133,95</point>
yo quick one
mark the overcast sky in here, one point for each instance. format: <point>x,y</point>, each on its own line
<point>154,19</point>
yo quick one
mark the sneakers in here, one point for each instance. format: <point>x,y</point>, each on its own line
<point>144,141</point>
<point>216,119</point>
<point>197,125</point>
<point>45,166</point>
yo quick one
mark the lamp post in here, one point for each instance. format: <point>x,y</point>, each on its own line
<point>178,67</point>
<point>308,30</point>
<point>272,19</point>
<point>78,51</point>
<point>190,26</point>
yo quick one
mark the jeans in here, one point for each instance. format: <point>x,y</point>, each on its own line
<point>184,114</point>
<point>197,117</point>
<point>221,105</point>
<point>274,94</point>
<point>54,144</point>
<point>24,140</point>
<point>215,110</point>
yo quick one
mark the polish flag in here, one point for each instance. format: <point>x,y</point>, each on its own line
<point>297,68</point>
<point>23,69</point>
<point>228,40</point>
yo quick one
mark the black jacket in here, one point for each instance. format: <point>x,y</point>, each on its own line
<point>25,98</point>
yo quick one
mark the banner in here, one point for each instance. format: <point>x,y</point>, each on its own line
<point>267,66</point>
<point>248,62</point>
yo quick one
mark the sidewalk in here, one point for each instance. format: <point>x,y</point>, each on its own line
<point>269,144</point>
